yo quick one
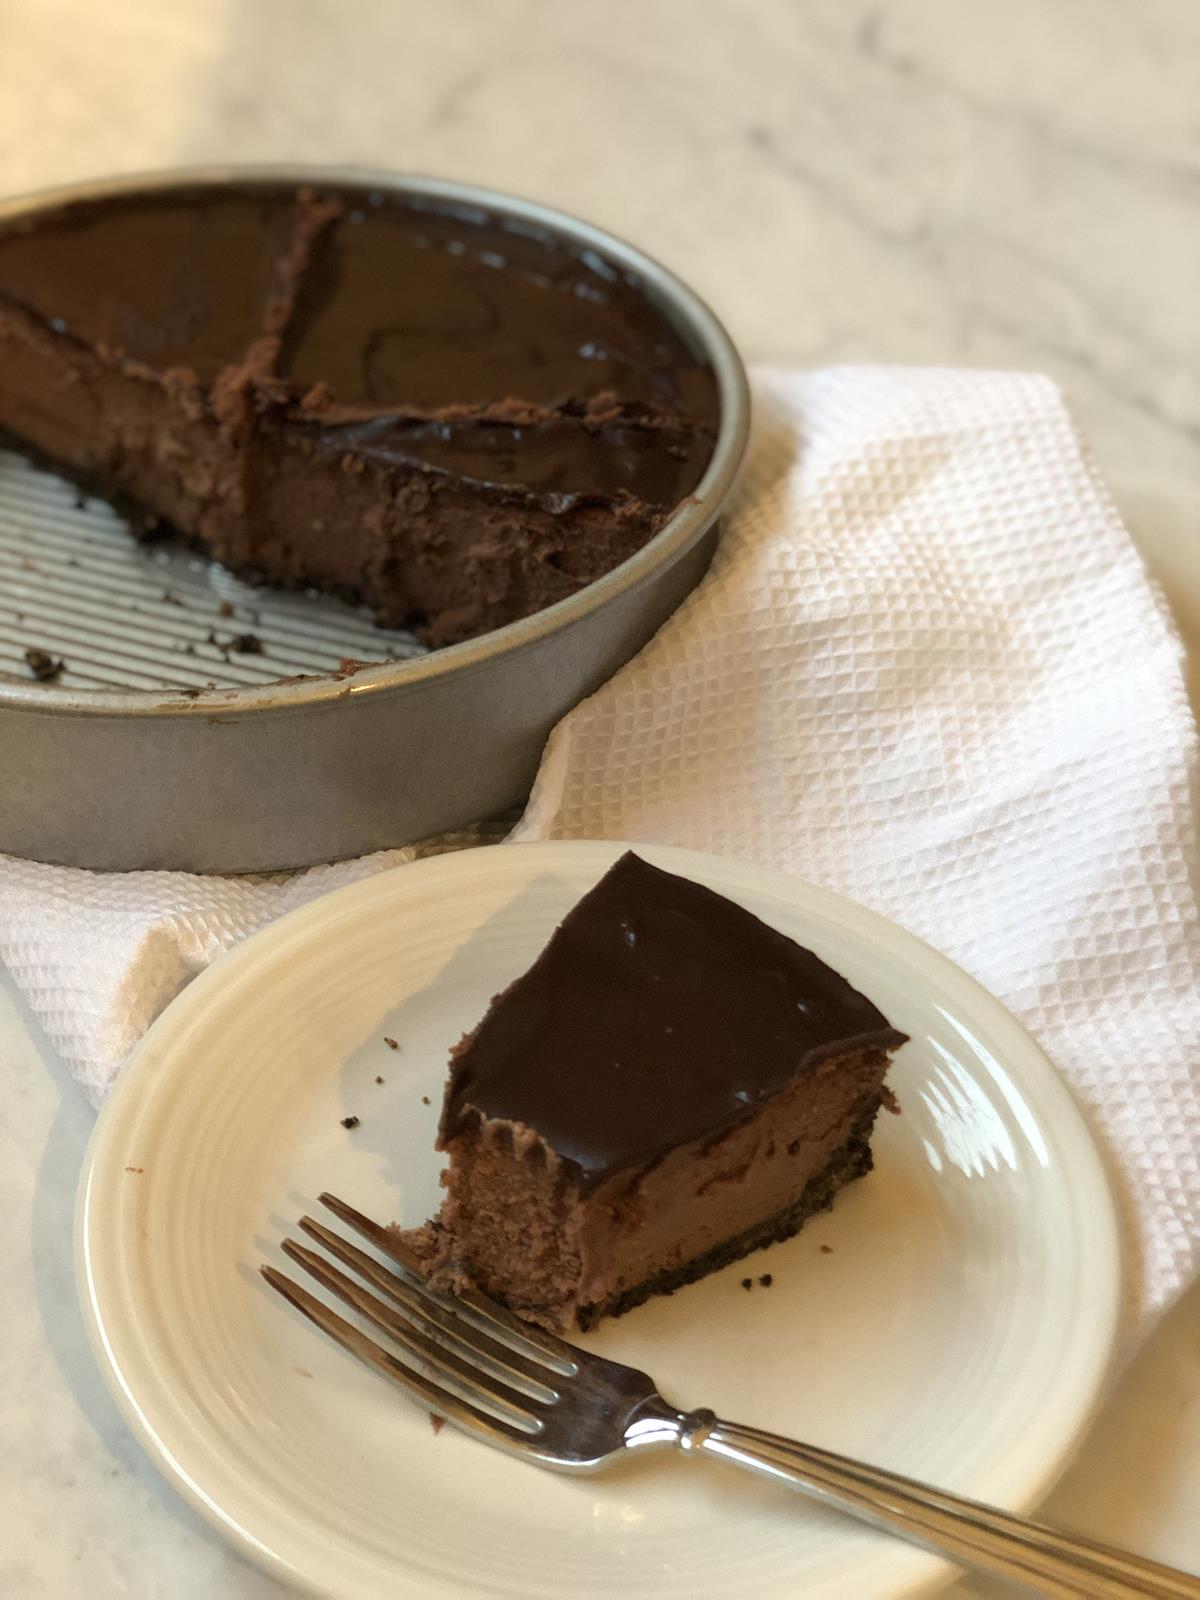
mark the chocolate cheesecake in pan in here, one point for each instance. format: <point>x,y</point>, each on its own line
<point>671,1085</point>
<point>454,417</point>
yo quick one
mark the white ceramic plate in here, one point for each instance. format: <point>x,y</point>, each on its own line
<point>957,1328</point>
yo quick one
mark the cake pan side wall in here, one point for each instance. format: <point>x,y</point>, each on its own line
<point>239,792</point>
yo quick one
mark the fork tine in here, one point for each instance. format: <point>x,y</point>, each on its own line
<point>443,1401</point>
<point>470,1305</point>
<point>464,1338</point>
<point>518,1406</point>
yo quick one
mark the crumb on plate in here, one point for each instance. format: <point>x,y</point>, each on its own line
<point>42,664</point>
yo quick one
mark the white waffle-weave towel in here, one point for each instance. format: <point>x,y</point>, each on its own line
<point>926,669</point>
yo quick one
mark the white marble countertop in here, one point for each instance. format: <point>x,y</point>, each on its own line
<point>1006,183</point>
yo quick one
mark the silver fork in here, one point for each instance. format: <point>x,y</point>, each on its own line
<point>522,1390</point>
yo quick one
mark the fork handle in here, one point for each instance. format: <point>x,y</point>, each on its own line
<point>1045,1560</point>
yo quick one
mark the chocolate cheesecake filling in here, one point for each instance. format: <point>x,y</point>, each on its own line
<point>450,415</point>
<point>671,1084</point>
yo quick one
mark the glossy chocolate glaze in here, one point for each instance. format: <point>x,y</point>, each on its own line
<point>420,308</point>
<point>659,1013</point>
<point>557,458</point>
<point>177,281</point>
<point>368,316</point>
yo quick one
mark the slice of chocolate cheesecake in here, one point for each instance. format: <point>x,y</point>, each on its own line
<point>450,415</point>
<point>671,1085</point>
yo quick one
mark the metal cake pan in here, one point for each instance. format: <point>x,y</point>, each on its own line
<point>259,776</point>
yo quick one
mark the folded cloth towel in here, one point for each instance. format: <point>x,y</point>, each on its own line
<point>926,669</point>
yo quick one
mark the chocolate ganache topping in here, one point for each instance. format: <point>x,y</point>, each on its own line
<point>619,1044</point>
<point>453,415</point>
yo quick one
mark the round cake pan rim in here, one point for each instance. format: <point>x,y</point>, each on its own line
<point>685,524</point>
